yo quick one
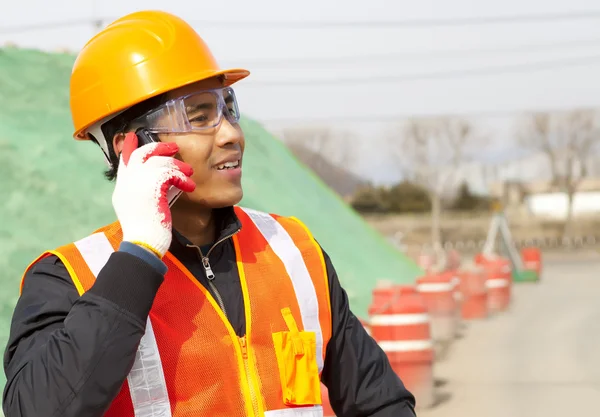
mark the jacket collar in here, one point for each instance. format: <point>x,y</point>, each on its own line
<point>227,224</point>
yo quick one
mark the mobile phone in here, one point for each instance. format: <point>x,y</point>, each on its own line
<point>144,137</point>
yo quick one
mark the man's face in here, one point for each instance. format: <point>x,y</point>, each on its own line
<point>206,151</point>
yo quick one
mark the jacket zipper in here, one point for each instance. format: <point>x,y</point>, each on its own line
<point>209,272</point>
<point>211,276</point>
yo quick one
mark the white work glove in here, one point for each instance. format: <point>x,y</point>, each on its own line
<point>140,197</point>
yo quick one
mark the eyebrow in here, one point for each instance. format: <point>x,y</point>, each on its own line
<point>201,106</point>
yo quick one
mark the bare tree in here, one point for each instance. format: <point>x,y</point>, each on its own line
<point>334,146</point>
<point>430,151</point>
<point>567,139</point>
<point>330,154</point>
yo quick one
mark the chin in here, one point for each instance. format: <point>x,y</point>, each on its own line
<point>232,199</point>
<point>222,198</point>
<point>225,203</point>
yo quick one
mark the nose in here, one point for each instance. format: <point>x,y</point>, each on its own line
<point>229,134</point>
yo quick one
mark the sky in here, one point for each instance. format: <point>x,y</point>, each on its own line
<point>367,78</point>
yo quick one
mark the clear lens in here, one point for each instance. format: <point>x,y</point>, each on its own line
<point>194,112</point>
<point>202,110</point>
<point>231,105</point>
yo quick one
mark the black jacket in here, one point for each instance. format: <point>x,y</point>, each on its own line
<point>68,355</point>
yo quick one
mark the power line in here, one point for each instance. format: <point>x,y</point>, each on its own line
<point>386,118</point>
<point>354,24</point>
<point>461,73</point>
<point>387,24</point>
<point>441,53</point>
<point>46,26</point>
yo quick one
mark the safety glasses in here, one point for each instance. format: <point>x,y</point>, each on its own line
<point>199,111</point>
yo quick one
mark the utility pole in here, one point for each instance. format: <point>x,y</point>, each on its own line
<point>97,21</point>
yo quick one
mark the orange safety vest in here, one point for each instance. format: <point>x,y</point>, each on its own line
<point>191,363</point>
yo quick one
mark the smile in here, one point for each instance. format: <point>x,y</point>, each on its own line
<point>229,165</point>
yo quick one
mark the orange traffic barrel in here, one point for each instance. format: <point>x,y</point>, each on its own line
<point>383,293</point>
<point>498,282</point>
<point>532,259</point>
<point>327,410</point>
<point>439,297</point>
<point>480,259</point>
<point>401,327</point>
<point>474,294</point>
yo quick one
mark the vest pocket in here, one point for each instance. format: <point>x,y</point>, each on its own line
<point>297,362</point>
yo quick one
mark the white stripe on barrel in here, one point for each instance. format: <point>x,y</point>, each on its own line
<point>497,283</point>
<point>405,345</point>
<point>435,287</point>
<point>399,319</point>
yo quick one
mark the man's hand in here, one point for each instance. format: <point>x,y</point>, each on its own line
<point>140,197</point>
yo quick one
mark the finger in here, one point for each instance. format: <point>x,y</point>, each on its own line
<point>161,162</point>
<point>161,149</point>
<point>165,162</point>
<point>185,168</point>
<point>152,150</point>
<point>130,144</point>
<point>179,180</point>
<point>139,155</point>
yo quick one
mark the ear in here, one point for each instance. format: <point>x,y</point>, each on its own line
<point>118,141</point>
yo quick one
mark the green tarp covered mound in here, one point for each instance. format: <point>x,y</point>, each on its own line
<point>53,189</point>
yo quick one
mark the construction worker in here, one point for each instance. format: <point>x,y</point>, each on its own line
<point>187,305</point>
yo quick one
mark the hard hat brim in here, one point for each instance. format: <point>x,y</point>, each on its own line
<point>230,76</point>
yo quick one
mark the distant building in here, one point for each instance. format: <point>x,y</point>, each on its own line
<point>525,186</point>
<point>542,199</point>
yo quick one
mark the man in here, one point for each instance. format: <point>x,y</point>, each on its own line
<point>201,308</point>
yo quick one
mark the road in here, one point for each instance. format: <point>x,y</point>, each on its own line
<point>541,358</point>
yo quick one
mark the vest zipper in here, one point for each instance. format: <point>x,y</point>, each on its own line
<point>242,340</point>
<point>244,349</point>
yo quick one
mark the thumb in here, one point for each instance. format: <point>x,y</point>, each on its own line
<point>130,144</point>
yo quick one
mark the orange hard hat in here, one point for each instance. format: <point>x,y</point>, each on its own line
<point>137,57</point>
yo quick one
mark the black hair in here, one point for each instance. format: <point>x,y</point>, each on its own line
<point>120,124</point>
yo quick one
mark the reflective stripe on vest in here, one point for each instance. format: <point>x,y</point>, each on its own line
<point>284,247</point>
<point>316,411</point>
<point>147,385</point>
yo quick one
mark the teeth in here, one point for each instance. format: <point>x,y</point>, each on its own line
<point>228,165</point>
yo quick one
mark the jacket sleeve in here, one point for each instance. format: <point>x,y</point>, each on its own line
<point>69,355</point>
<point>356,371</point>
